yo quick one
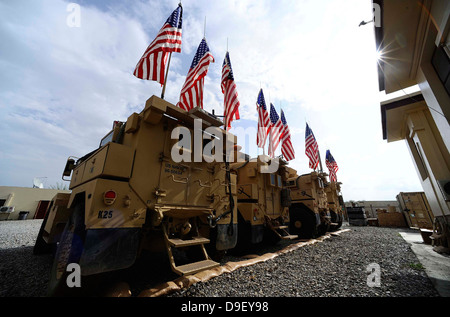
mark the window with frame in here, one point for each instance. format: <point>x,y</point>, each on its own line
<point>441,64</point>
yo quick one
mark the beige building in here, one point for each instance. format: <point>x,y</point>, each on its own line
<point>32,202</point>
<point>414,44</point>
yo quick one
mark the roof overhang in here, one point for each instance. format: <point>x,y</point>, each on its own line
<point>394,114</point>
<point>399,36</point>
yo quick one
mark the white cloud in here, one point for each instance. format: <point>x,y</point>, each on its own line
<point>62,87</point>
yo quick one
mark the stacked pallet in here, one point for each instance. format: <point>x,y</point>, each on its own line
<point>357,216</point>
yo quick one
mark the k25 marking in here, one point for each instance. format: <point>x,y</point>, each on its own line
<point>105,214</point>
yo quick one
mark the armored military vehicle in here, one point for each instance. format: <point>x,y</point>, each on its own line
<point>263,201</point>
<point>147,187</point>
<point>335,204</point>
<point>309,213</point>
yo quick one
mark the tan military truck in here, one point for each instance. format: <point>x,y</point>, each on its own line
<point>324,210</point>
<point>147,187</point>
<point>335,204</point>
<point>263,201</point>
<point>309,213</point>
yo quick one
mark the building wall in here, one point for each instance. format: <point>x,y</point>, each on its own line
<point>431,158</point>
<point>432,88</point>
<point>424,125</point>
<point>26,199</point>
<point>428,131</point>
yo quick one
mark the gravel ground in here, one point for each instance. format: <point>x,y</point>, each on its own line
<point>22,274</point>
<point>336,267</point>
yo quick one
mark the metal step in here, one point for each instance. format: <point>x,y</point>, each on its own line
<point>436,236</point>
<point>195,267</point>
<point>179,243</point>
<point>284,234</point>
<point>280,227</point>
<point>289,237</point>
<point>190,268</point>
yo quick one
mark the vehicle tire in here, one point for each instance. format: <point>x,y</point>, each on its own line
<point>69,250</point>
<point>302,222</point>
<point>323,228</point>
<point>358,222</point>
<point>270,237</point>
<point>335,218</point>
<point>339,222</point>
<point>355,216</point>
<point>355,211</point>
<point>244,238</point>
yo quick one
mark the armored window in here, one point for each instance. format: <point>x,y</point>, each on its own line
<point>107,138</point>
<point>273,180</point>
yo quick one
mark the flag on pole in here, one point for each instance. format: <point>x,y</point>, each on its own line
<point>152,65</point>
<point>276,131</point>
<point>192,92</point>
<point>286,146</point>
<point>312,148</point>
<point>231,102</point>
<point>332,166</point>
<point>263,121</point>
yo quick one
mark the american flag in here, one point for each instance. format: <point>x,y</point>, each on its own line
<point>152,64</point>
<point>332,166</point>
<point>312,148</point>
<point>231,102</point>
<point>286,146</point>
<point>276,131</point>
<point>192,92</point>
<point>263,120</point>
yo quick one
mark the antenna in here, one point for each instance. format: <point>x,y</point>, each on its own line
<point>37,182</point>
<point>204,29</point>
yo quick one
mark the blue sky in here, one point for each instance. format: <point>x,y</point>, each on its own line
<point>61,87</point>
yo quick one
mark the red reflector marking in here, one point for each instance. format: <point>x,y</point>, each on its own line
<point>110,194</point>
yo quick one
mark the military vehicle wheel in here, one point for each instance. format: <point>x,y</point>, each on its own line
<point>244,237</point>
<point>302,222</point>
<point>334,219</point>
<point>323,228</point>
<point>358,216</point>
<point>69,250</point>
<point>270,237</point>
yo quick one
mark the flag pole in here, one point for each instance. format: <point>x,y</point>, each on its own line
<point>168,64</point>
<point>264,146</point>
<point>224,106</point>
<point>204,29</point>
<point>320,162</point>
<point>167,75</point>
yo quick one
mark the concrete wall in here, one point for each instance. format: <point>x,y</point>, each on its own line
<point>26,198</point>
<point>430,130</point>
<point>425,127</point>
